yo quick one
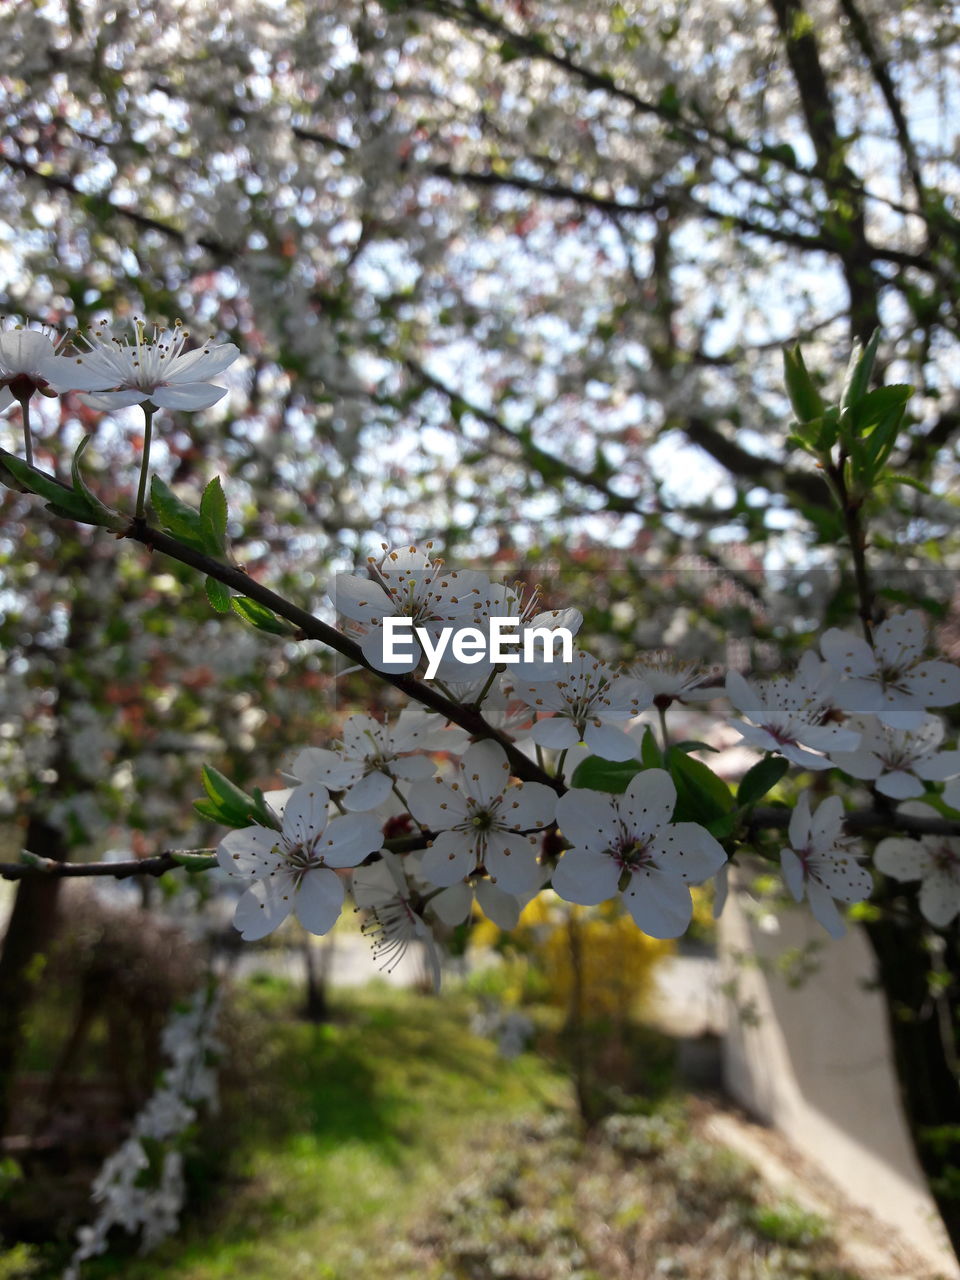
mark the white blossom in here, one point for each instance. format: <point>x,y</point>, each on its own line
<point>820,862</point>
<point>629,843</point>
<point>786,714</point>
<point>933,860</point>
<point>22,351</point>
<point>896,760</point>
<point>891,679</point>
<point>481,821</point>
<point>382,890</point>
<point>405,582</point>
<point>155,371</point>
<point>671,679</point>
<point>373,757</point>
<point>589,705</point>
<point>295,868</point>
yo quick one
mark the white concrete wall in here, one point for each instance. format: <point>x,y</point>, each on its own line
<point>817,1066</point>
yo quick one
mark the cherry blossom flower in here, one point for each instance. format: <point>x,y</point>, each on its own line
<point>455,904</point>
<point>382,890</point>
<point>406,582</point>
<point>933,860</point>
<point>295,868</point>
<point>670,679</point>
<point>629,841</point>
<point>510,602</point>
<point>951,794</point>
<point>480,821</point>
<point>896,760</point>
<point>588,704</point>
<point>891,679</point>
<point>820,862</point>
<point>155,371</point>
<point>374,756</point>
<point>785,714</point>
<point>22,351</point>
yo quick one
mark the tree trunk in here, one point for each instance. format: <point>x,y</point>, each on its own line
<point>29,934</point>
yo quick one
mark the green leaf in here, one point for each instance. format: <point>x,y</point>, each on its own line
<point>176,517</point>
<point>650,754</point>
<point>231,806</point>
<point>858,372</point>
<point>60,498</point>
<point>598,774</point>
<point>218,595</point>
<point>109,519</point>
<point>213,517</point>
<point>895,477</point>
<point>195,861</point>
<point>804,396</point>
<point>701,795</point>
<point>763,777</point>
<point>260,616</point>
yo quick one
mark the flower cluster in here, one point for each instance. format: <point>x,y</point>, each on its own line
<point>140,1187</point>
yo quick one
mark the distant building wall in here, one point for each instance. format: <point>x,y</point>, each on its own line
<point>817,1066</point>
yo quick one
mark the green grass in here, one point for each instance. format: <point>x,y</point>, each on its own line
<point>393,1144</point>
<point>341,1133</point>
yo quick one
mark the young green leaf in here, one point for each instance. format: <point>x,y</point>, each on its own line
<point>109,519</point>
<point>218,595</point>
<point>233,807</point>
<point>598,774</point>
<point>701,795</point>
<point>60,498</point>
<point>260,616</point>
<point>175,516</point>
<point>760,779</point>
<point>650,753</point>
<point>213,517</point>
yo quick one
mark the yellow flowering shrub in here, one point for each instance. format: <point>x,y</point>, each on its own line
<point>590,959</point>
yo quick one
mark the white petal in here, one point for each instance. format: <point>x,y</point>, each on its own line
<point>863,696</point>
<point>451,857</point>
<point>799,831</point>
<point>743,696</point>
<point>847,654</point>
<point>305,815</point>
<point>88,372</point>
<point>6,398</point>
<point>317,765</point>
<point>187,395</point>
<point>825,909</point>
<point>935,684</point>
<point>859,764</point>
<point>348,840</point>
<point>903,859</point>
<point>110,401</point>
<point>436,805</point>
<point>826,826</point>
<point>453,905</point>
<point>485,769</point>
<point>319,900</point>
<point>251,851</point>
<point>359,598</point>
<point>529,806</point>
<point>511,860</point>
<point>374,648</point>
<point>659,903</point>
<point>610,743</point>
<point>899,785</point>
<point>588,819</point>
<point>203,363</point>
<point>901,640</point>
<point>939,898</point>
<point>368,793</point>
<point>372,886</point>
<point>687,850</point>
<point>843,878</point>
<point>649,801</point>
<point>557,733</point>
<point>939,767</point>
<point>792,870</point>
<point>22,350</point>
<point>264,907</point>
<point>497,905</point>
<point>585,877</point>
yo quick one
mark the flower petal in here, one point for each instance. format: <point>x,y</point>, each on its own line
<point>453,905</point>
<point>512,862</point>
<point>934,684</point>
<point>688,850</point>
<point>203,363</point>
<point>791,869</point>
<point>901,858</point>
<point>319,900</point>
<point>659,903</point>
<point>250,851</point>
<point>529,806</point>
<point>585,877</point>
<point>264,907</point>
<point>348,840</point>
<point>588,819</point>
<point>825,909</point>
<point>437,805</point>
<point>368,793</point>
<point>649,801</point>
<point>305,814</point>
<point>939,898</point>
<point>187,395</point>
<point>497,905</point>
<point>847,654</point>
<point>110,401</point>
<point>451,857</point>
<point>610,743</point>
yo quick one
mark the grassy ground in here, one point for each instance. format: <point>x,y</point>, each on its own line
<point>393,1143</point>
